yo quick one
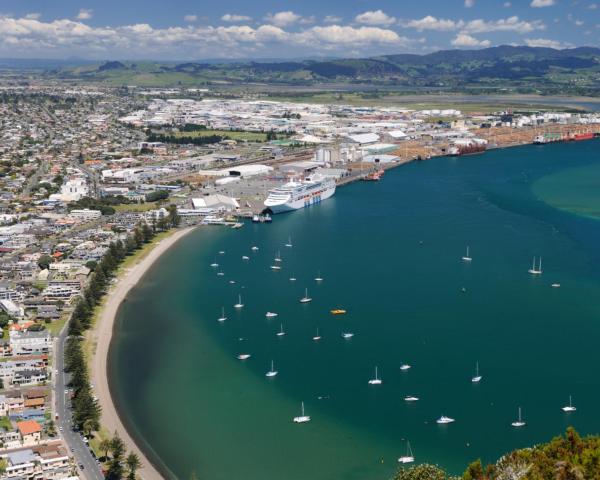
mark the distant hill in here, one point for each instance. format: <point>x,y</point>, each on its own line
<point>534,67</point>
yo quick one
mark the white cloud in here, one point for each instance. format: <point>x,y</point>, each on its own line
<point>469,3</point>
<point>332,19</point>
<point>233,18</point>
<point>283,19</point>
<point>543,42</point>
<point>85,14</point>
<point>345,35</point>
<point>510,24</point>
<point>507,4</point>
<point>592,6</point>
<point>33,16</point>
<point>542,3</point>
<point>375,17</point>
<point>579,23</point>
<point>432,23</point>
<point>191,18</point>
<point>466,40</point>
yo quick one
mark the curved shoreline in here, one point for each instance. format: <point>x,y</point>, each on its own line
<point>101,336</point>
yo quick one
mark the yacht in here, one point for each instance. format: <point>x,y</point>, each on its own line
<point>239,304</point>
<point>245,257</point>
<point>477,378</point>
<point>410,398</point>
<point>281,333</point>
<point>555,285</point>
<point>443,420</point>
<point>317,337</point>
<point>275,267</point>
<point>271,314</point>
<point>408,458</point>
<point>254,248</point>
<point>338,311</point>
<point>214,264</point>
<point>376,380</point>
<point>347,335</point>
<point>569,407</point>
<point>318,278</point>
<point>536,270</point>
<point>222,318</point>
<point>292,279</point>
<point>243,356</point>
<point>303,418</point>
<point>305,298</point>
<point>299,194</point>
<point>220,274</point>
<point>467,257</point>
<point>272,372</point>
<point>222,252</point>
<point>289,243</point>
<point>278,257</point>
<point>519,422</point>
<point>404,367</point>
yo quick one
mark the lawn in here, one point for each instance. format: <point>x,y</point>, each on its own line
<point>136,207</point>
<point>5,423</point>
<point>238,136</point>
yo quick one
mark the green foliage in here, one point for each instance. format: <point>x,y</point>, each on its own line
<point>133,464</point>
<point>5,319</point>
<point>44,262</point>
<point>474,471</point>
<point>91,264</point>
<point>116,469</point>
<point>421,472</point>
<point>157,195</point>
<point>196,140</point>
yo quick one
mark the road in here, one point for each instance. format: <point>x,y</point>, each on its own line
<point>74,440</point>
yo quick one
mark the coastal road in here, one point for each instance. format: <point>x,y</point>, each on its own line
<point>74,441</point>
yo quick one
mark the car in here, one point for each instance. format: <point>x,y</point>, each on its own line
<point>81,466</point>
<point>72,449</point>
<point>60,429</point>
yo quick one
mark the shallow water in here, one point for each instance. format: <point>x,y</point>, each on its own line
<point>390,253</point>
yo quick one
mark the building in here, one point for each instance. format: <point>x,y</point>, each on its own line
<point>30,431</point>
<point>215,203</point>
<point>85,214</point>
<point>27,343</point>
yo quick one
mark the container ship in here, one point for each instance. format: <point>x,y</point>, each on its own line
<point>583,136</point>
<point>299,194</point>
<point>468,147</point>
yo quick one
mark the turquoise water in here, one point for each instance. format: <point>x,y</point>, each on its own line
<point>390,254</point>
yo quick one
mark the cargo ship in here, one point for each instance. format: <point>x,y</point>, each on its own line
<point>583,136</point>
<point>548,138</point>
<point>468,147</point>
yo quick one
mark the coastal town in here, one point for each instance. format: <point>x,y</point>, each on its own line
<point>93,177</point>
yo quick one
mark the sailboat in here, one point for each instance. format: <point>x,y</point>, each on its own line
<point>245,257</point>
<point>276,267</point>
<point>292,278</point>
<point>220,274</point>
<point>289,242</point>
<point>243,356</point>
<point>519,422</point>
<point>444,420</point>
<point>411,398</point>
<point>239,304</point>
<point>272,372</point>
<point>281,333</point>
<point>222,252</point>
<point>317,337</point>
<point>222,318</point>
<point>254,248</point>
<point>214,264</point>
<point>302,418</point>
<point>318,278</point>
<point>408,458</point>
<point>271,314</point>
<point>305,298</point>
<point>404,367</point>
<point>477,378</point>
<point>536,271</point>
<point>569,407</point>
<point>376,380</point>
<point>278,257</point>
<point>467,257</point>
<point>347,335</point>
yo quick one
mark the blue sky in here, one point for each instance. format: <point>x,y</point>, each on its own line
<point>198,29</point>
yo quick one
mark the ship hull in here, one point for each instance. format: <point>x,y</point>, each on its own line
<point>307,201</point>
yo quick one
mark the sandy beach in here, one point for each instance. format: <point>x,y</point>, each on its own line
<point>102,334</point>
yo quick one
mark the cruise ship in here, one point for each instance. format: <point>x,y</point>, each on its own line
<point>299,194</point>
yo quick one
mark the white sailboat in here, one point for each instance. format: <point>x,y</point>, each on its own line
<point>405,366</point>
<point>275,267</point>
<point>220,274</point>
<point>467,257</point>
<point>243,356</point>
<point>519,422</point>
<point>347,335</point>
<point>536,270</point>
<point>376,380</point>
<point>318,278</point>
<point>254,248</point>
<point>272,372</point>
<point>214,264</point>
<point>569,407</point>
<point>281,333</point>
<point>289,242</point>
<point>444,420</point>
<point>245,257</point>
<point>239,304</point>
<point>408,458</point>
<point>317,337</point>
<point>222,252</point>
<point>477,378</point>
<point>305,298</point>
<point>303,418</point>
<point>222,318</point>
<point>411,398</point>
<point>292,278</point>
<point>278,257</point>
<point>271,314</point>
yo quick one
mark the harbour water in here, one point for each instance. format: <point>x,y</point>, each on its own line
<point>390,254</point>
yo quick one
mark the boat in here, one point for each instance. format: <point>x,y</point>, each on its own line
<point>338,311</point>
<point>519,423</point>
<point>220,274</point>
<point>467,258</point>
<point>295,194</point>
<point>583,136</point>
<point>245,257</point>
<point>254,248</point>
<point>555,285</point>
<point>305,298</point>
<point>317,337</point>
<point>239,304</point>
<point>376,380</point>
<point>271,314</point>
<point>243,356</point>
<point>255,219</point>
<point>272,372</point>
<point>214,264</point>
<point>347,335</point>
<point>569,407</point>
<point>292,279</point>
<point>232,282</point>
<point>318,278</point>
<point>405,366</point>
<point>410,398</point>
<point>303,418</point>
<point>275,267</point>
<point>278,257</point>
<point>444,420</point>
<point>222,318</point>
<point>477,378</point>
<point>222,252</point>
<point>408,458</point>
<point>289,243</point>
<point>267,218</point>
<point>281,333</point>
<point>536,270</point>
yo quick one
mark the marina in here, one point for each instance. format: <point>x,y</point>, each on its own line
<point>386,295</point>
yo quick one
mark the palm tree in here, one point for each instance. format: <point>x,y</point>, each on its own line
<point>133,464</point>
<point>105,446</point>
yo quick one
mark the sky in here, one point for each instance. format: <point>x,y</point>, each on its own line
<point>243,29</point>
